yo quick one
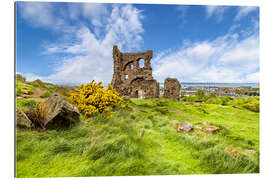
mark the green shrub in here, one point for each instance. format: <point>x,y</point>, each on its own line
<point>254,106</point>
<point>45,95</point>
<point>190,98</point>
<point>214,100</point>
<point>20,87</point>
<point>200,94</point>
<point>251,103</point>
<point>51,87</point>
<point>20,78</point>
<point>35,84</point>
<point>226,100</point>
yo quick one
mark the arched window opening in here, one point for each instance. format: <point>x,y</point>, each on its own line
<point>126,76</point>
<point>141,63</point>
<point>131,66</point>
<point>140,94</point>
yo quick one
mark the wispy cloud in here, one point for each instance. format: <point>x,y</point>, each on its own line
<point>244,11</point>
<point>225,59</point>
<point>41,15</point>
<point>182,9</point>
<point>88,56</point>
<point>217,11</point>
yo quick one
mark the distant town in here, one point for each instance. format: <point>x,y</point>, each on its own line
<point>220,89</point>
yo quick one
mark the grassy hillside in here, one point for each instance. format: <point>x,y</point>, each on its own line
<point>144,141</point>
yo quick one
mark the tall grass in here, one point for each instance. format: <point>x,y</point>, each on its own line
<point>143,142</point>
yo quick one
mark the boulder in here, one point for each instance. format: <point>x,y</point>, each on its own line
<point>22,120</point>
<point>59,113</point>
<point>211,129</point>
<point>185,127</point>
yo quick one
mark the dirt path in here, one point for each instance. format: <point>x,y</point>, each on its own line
<point>37,93</point>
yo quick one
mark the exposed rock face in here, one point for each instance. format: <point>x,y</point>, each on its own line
<point>131,80</point>
<point>185,127</point>
<point>59,113</point>
<point>211,129</point>
<point>22,120</point>
<point>172,88</point>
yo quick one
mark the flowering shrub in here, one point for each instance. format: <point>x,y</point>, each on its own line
<point>93,98</point>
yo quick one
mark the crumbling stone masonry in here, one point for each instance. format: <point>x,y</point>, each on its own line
<point>131,80</point>
<point>172,88</point>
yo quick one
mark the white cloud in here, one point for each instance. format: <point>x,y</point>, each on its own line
<point>225,59</point>
<point>217,11</point>
<point>41,14</point>
<point>30,76</point>
<point>254,77</point>
<point>91,56</point>
<point>94,12</point>
<point>243,11</point>
<point>38,14</point>
<point>54,16</point>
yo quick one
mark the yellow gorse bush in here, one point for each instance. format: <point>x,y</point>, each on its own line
<point>93,98</point>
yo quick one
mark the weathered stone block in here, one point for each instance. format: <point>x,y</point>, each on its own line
<point>172,88</point>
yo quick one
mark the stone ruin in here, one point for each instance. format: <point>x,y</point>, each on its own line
<point>172,88</point>
<point>133,79</point>
<point>130,78</point>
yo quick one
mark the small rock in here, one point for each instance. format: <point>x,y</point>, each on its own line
<point>185,127</point>
<point>24,91</point>
<point>22,120</point>
<point>251,151</point>
<point>211,129</point>
<point>234,151</point>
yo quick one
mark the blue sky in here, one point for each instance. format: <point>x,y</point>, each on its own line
<point>71,43</point>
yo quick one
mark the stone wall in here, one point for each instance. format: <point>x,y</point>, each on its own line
<point>129,79</point>
<point>172,88</point>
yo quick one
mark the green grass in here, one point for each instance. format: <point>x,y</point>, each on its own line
<point>143,141</point>
<point>20,87</point>
<point>51,87</point>
<point>25,104</point>
<point>46,94</point>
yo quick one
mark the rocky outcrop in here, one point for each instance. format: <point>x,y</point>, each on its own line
<point>59,113</point>
<point>22,120</point>
<point>172,88</point>
<point>185,127</point>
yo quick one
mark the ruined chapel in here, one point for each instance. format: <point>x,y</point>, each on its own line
<point>132,75</point>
